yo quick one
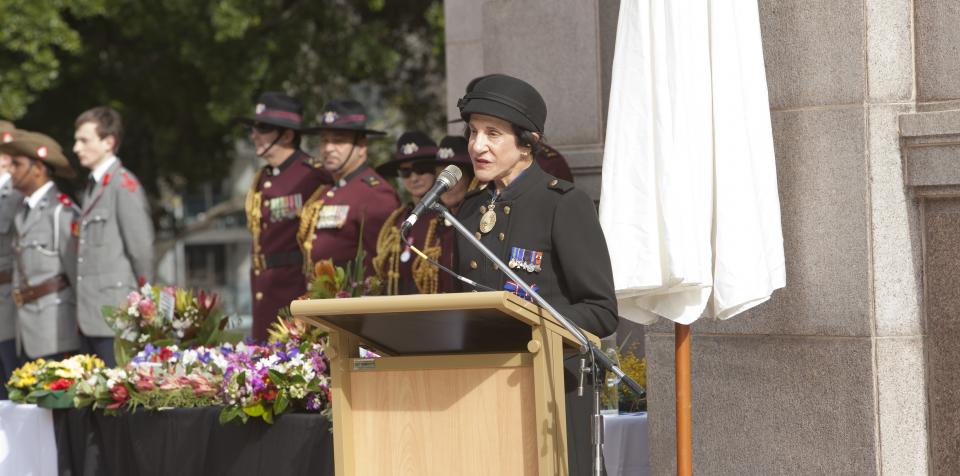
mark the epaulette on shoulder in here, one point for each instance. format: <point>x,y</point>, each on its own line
<point>560,186</point>
<point>129,182</point>
<point>65,200</point>
<point>372,180</point>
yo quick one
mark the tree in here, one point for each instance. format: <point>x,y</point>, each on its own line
<point>179,70</point>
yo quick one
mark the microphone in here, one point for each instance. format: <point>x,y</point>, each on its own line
<point>445,181</point>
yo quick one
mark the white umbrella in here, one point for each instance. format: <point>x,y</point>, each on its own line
<point>689,203</point>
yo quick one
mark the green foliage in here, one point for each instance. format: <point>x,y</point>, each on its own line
<point>179,70</point>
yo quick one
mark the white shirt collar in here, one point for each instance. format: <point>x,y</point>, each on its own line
<point>38,194</point>
<point>101,169</point>
<point>3,178</point>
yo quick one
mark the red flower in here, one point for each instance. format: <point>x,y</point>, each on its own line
<point>61,384</point>
<point>270,395</point>
<point>120,396</point>
<point>165,354</point>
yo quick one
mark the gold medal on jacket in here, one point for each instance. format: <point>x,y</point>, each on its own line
<point>487,221</point>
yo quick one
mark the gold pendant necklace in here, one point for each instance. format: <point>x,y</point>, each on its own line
<point>489,218</point>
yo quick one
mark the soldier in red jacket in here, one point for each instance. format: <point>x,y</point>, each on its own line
<point>274,205</point>
<point>358,199</point>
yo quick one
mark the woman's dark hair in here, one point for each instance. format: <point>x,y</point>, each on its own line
<point>526,138</point>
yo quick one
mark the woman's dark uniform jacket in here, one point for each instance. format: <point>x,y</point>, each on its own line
<point>540,213</point>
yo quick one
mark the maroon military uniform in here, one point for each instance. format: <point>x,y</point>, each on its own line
<point>415,275</point>
<point>336,214</point>
<point>553,163</point>
<point>274,205</point>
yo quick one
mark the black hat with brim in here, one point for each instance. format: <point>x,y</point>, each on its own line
<point>40,147</point>
<point>413,146</point>
<point>344,115</point>
<point>507,98</point>
<point>276,109</point>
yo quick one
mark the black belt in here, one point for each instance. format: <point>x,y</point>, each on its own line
<point>280,260</point>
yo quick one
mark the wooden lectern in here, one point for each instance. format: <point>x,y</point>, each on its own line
<point>469,383</point>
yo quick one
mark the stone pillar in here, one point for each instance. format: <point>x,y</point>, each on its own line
<point>831,375</point>
<point>827,377</point>
<point>563,47</point>
<point>931,157</point>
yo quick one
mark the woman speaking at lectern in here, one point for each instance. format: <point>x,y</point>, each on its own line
<point>544,228</point>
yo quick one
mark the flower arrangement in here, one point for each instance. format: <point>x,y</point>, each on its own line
<point>162,316</point>
<point>289,373</point>
<point>158,378</point>
<point>51,383</point>
<point>331,281</point>
<point>635,368</point>
<point>336,282</point>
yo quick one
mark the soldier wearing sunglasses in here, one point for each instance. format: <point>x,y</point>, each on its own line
<point>274,205</point>
<point>404,271</point>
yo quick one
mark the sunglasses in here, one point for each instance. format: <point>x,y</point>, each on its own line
<point>264,128</point>
<point>420,168</point>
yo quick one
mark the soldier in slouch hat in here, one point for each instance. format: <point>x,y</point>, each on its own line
<point>44,248</point>
<point>360,198</point>
<point>275,203</point>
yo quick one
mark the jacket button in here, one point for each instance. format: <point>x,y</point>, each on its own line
<point>267,184</point>
<point>554,182</point>
<point>496,268</point>
<point>80,259</point>
<point>483,209</point>
<point>79,278</point>
<point>506,210</point>
<point>256,272</point>
<point>473,264</point>
<point>477,234</point>
<point>502,236</point>
<point>259,295</point>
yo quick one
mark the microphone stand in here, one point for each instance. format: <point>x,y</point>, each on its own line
<point>590,354</point>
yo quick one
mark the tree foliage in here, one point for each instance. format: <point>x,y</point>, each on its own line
<point>179,70</point>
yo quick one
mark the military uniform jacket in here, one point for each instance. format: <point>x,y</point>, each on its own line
<point>114,247</point>
<point>415,275</point>
<point>10,199</point>
<point>274,206</point>
<point>548,223</point>
<point>336,214</point>
<point>44,250</point>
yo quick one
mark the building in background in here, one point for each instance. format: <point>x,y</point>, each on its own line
<point>852,368</point>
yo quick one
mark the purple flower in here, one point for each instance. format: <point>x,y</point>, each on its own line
<point>313,402</point>
<point>204,357</point>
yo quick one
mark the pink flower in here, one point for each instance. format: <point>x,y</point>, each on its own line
<point>147,308</point>
<point>343,294</point>
<point>133,298</point>
<point>200,385</point>
<point>170,383</point>
<point>119,394</point>
<point>144,381</point>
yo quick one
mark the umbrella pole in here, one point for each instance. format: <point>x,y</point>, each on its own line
<point>682,374</point>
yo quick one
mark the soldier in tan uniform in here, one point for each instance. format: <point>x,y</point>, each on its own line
<point>115,242</point>
<point>44,252</point>
<point>10,198</point>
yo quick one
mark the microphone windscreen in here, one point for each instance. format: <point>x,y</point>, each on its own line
<point>451,175</point>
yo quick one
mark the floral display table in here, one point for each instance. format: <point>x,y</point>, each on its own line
<point>190,441</point>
